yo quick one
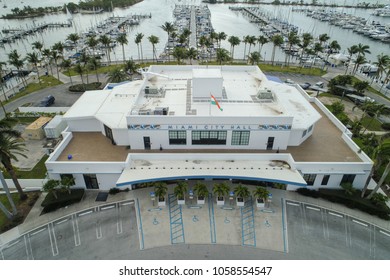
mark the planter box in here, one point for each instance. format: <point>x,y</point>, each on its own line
<point>260,203</point>
<point>240,202</point>
<point>181,201</point>
<point>200,201</point>
<point>161,202</point>
<point>220,201</point>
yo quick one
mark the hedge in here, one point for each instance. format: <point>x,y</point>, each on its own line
<point>85,87</point>
<point>64,198</point>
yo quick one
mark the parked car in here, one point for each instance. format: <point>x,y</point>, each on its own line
<point>47,101</point>
<point>320,84</point>
<point>305,85</point>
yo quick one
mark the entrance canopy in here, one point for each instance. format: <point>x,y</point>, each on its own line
<point>160,167</point>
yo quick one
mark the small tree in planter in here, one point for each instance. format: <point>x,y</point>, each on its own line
<point>261,195</point>
<point>220,190</point>
<point>160,189</point>
<point>179,191</point>
<point>67,183</point>
<point>51,187</point>
<point>241,192</point>
<point>201,192</point>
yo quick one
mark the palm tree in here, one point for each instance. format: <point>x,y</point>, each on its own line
<point>234,41</point>
<point>220,37</point>
<point>293,39</point>
<point>4,209</point>
<point>154,40</point>
<point>130,67</point>
<point>66,64</point>
<point>34,60</point>
<point>317,49</point>
<point>201,190</point>
<point>106,41</point>
<point>17,62</point>
<point>59,47</point>
<point>122,39</point>
<point>334,46</point>
<point>192,53</point>
<point>251,41</point>
<point>80,70</point>
<point>351,51</point>
<point>94,64</point>
<point>117,75</point>
<point>138,41</point>
<point>254,58</point>
<point>382,153</point>
<point>46,53</point>
<point>11,145</point>
<point>180,190</point>
<point>37,45</point>
<point>1,81</point>
<point>246,41</point>
<point>220,190</point>
<point>186,33</point>
<point>92,43</point>
<point>204,42</point>
<point>387,78</point>
<point>160,190</point>
<point>74,38</point>
<point>377,110</point>
<point>360,59</point>
<point>55,56</point>
<point>261,193</point>
<point>262,40</point>
<point>241,192</point>
<point>179,53</point>
<point>362,49</point>
<point>222,56</point>
<point>323,38</point>
<point>383,60</point>
<point>169,28</point>
<point>277,40</point>
<point>306,41</point>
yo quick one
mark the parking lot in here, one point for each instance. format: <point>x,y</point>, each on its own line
<point>316,232</point>
<point>137,229</point>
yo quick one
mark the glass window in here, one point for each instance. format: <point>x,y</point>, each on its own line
<point>304,133</point>
<point>177,137</point>
<point>240,137</point>
<point>348,178</point>
<point>325,180</point>
<point>309,178</point>
<point>310,128</point>
<point>214,137</point>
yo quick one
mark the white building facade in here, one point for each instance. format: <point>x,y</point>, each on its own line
<point>165,127</point>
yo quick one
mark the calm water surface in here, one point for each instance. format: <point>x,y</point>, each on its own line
<point>223,19</point>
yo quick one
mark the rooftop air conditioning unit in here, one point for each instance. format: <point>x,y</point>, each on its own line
<point>151,90</point>
<point>161,111</point>
<point>145,112</point>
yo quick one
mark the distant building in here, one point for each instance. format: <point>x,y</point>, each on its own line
<point>198,122</point>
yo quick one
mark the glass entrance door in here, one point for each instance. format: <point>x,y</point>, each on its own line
<point>91,181</point>
<point>147,142</point>
<point>270,143</point>
<point>109,135</point>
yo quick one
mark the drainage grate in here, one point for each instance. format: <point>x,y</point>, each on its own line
<point>102,196</point>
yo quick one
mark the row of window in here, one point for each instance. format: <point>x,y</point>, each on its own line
<point>208,137</point>
<point>310,178</point>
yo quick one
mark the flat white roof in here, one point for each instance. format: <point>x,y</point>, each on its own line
<point>174,84</point>
<point>206,73</point>
<point>141,170</point>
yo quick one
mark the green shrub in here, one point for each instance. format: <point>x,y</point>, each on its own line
<point>385,126</point>
<point>114,191</point>
<point>50,203</point>
<point>85,87</point>
<point>308,192</point>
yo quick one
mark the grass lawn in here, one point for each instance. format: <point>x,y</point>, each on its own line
<point>38,172</point>
<point>291,69</point>
<point>23,208</point>
<point>371,89</point>
<point>371,124</point>
<point>46,81</point>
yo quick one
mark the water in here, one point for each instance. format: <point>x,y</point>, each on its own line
<point>223,19</point>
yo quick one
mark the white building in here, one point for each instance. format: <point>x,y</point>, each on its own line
<point>164,127</point>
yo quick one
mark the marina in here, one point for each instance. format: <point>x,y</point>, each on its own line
<point>222,19</point>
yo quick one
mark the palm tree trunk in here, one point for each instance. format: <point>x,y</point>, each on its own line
<point>142,54</point>
<point>244,51</point>
<point>70,77</point>
<point>382,179</point>
<point>97,75</point>
<point>7,213</point>
<point>367,182</point>
<point>139,57</point>
<point>123,52</point>
<point>8,166</point>
<point>273,55</point>
<point>58,73</point>
<point>11,201</point>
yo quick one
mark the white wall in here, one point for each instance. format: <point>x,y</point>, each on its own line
<point>84,125</point>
